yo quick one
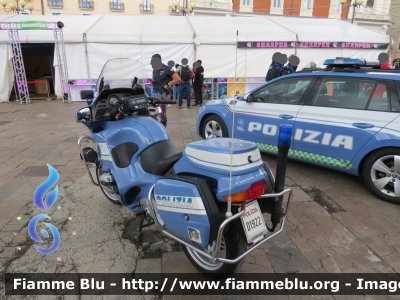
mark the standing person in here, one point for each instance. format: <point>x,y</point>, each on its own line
<point>291,67</point>
<point>163,78</point>
<point>276,67</point>
<point>175,88</point>
<point>186,74</point>
<point>198,83</point>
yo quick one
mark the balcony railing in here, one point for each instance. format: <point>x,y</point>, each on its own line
<point>116,6</point>
<point>371,16</point>
<point>213,4</point>
<point>175,11</point>
<point>54,3</point>
<point>86,4</point>
<point>146,8</point>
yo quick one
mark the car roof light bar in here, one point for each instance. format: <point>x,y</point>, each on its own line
<point>351,62</point>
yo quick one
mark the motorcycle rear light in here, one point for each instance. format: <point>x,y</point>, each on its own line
<point>256,190</point>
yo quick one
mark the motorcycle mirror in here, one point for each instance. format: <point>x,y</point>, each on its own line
<point>83,114</point>
<point>249,98</point>
<point>87,95</point>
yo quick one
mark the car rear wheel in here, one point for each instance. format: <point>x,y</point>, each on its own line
<point>381,174</point>
<point>213,127</point>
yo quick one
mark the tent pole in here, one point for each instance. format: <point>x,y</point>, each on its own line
<point>87,55</point>
<point>194,43</point>
<point>85,44</point>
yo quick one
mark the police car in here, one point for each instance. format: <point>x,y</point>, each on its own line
<point>345,117</point>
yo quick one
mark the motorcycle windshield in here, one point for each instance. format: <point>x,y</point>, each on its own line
<point>121,72</point>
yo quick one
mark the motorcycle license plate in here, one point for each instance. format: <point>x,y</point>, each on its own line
<point>253,222</point>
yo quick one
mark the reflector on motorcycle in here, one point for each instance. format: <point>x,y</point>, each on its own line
<point>256,190</point>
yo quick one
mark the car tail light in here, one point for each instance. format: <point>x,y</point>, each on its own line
<point>256,190</point>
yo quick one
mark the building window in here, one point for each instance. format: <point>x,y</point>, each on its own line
<point>146,5</point>
<point>116,5</point>
<point>307,4</point>
<point>335,6</point>
<point>370,3</point>
<point>86,4</point>
<point>246,2</point>
<point>56,14</point>
<point>277,3</point>
<point>54,3</point>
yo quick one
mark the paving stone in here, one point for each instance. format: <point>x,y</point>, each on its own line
<point>20,238</point>
<point>6,236</point>
<point>13,227</point>
<point>8,252</point>
<point>9,209</point>
<point>152,265</point>
<point>256,262</point>
<point>284,255</point>
<point>299,195</point>
<point>176,262</point>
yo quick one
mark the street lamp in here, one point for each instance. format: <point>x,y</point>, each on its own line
<point>186,11</point>
<point>354,4</point>
<point>18,9</point>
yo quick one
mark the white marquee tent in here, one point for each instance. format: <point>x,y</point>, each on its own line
<point>91,40</point>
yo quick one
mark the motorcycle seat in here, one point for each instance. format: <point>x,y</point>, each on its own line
<point>159,158</point>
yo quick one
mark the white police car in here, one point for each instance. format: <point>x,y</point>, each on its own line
<point>345,117</point>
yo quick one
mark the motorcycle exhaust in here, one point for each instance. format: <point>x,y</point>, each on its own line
<point>284,139</point>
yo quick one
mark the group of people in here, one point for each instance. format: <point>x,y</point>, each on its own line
<point>165,78</point>
<point>189,75</point>
<point>278,67</point>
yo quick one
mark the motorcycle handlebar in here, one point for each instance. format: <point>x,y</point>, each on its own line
<point>111,112</point>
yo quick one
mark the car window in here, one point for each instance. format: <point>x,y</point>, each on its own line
<point>353,93</point>
<point>286,91</point>
<point>380,98</point>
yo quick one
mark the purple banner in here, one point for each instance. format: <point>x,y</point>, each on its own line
<point>311,45</point>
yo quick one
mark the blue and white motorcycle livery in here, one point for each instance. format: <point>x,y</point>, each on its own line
<point>209,197</point>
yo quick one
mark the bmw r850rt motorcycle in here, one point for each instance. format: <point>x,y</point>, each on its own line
<point>210,197</point>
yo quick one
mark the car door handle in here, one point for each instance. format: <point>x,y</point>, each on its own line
<point>363,125</point>
<point>286,117</point>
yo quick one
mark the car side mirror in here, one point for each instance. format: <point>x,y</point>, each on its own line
<point>249,98</point>
<point>83,114</point>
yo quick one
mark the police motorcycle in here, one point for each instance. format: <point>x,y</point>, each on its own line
<point>210,197</point>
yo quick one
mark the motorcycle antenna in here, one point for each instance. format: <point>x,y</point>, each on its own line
<point>229,211</point>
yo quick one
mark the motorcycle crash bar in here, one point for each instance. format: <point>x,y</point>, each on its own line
<point>213,256</point>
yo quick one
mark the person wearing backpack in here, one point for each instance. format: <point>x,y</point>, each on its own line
<point>186,74</point>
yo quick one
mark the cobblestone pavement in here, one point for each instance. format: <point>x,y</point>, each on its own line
<point>335,225</point>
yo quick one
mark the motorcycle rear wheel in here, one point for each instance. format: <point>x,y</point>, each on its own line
<point>232,246</point>
<point>110,196</point>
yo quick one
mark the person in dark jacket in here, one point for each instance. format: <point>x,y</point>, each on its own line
<point>198,83</point>
<point>291,67</point>
<point>163,78</point>
<point>276,67</point>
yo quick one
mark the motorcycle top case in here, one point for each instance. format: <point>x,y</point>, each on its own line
<point>214,155</point>
<point>182,210</point>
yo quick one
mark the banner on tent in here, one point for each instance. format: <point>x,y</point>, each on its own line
<point>30,25</point>
<point>312,45</point>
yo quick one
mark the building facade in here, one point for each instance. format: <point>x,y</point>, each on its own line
<point>394,31</point>
<point>373,14</point>
<point>126,7</point>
